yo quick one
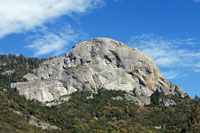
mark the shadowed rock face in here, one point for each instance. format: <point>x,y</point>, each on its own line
<point>93,65</point>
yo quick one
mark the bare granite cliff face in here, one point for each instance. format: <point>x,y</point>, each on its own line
<point>93,65</point>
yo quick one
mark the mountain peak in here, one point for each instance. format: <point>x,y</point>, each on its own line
<point>98,42</point>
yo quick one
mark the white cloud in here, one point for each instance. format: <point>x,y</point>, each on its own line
<point>53,42</point>
<point>22,15</point>
<point>170,74</point>
<point>170,55</point>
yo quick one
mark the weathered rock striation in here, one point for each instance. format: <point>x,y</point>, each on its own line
<point>93,65</point>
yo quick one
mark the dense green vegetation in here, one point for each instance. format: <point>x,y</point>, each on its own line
<point>100,114</point>
<point>12,68</point>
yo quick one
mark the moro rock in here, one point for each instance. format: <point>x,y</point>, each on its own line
<point>96,64</point>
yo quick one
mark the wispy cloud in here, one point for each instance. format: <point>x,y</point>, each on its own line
<point>170,74</point>
<point>22,15</point>
<point>53,42</point>
<point>196,0</point>
<point>117,0</point>
<point>175,56</point>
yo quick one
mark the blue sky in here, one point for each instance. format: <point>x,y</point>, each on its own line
<point>166,30</point>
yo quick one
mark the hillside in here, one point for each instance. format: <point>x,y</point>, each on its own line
<point>107,111</point>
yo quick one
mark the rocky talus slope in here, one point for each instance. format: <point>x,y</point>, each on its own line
<point>99,63</point>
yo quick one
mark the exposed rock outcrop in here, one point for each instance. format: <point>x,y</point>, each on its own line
<point>41,124</point>
<point>166,102</point>
<point>32,120</point>
<point>93,65</point>
<point>8,72</point>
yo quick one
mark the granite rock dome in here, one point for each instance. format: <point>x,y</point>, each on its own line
<point>99,63</point>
